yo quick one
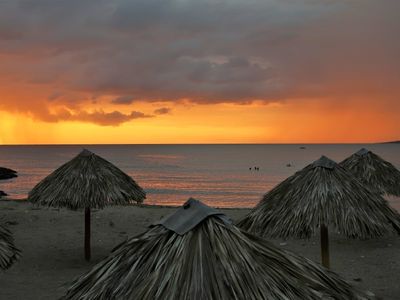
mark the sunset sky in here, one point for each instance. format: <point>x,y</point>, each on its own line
<point>199,71</point>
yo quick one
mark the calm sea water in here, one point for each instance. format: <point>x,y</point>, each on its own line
<point>216,174</point>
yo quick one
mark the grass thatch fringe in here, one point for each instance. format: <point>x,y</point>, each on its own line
<point>214,260</point>
<point>375,172</point>
<point>8,252</point>
<point>86,181</point>
<point>319,195</point>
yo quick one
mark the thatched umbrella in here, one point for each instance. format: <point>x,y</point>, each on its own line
<point>87,181</point>
<point>321,195</point>
<point>196,253</point>
<point>377,173</point>
<point>8,252</point>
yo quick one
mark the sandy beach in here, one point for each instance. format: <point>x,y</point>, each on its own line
<point>51,241</point>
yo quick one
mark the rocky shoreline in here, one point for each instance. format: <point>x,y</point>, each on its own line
<point>6,173</point>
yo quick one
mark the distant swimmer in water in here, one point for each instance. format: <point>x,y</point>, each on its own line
<point>250,168</point>
<point>288,165</point>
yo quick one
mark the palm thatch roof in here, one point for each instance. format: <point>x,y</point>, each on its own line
<point>8,252</point>
<point>323,193</point>
<point>377,173</point>
<point>86,181</point>
<point>207,258</point>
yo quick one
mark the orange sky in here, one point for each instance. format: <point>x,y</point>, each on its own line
<point>191,72</point>
<point>300,122</point>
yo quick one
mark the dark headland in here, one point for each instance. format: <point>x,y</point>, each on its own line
<point>391,142</point>
<point>6,173</point>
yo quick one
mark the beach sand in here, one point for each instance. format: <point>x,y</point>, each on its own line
<point>52,245</point>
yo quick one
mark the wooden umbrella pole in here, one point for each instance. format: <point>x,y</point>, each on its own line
<point>87,233</point>
<point>325,246</point>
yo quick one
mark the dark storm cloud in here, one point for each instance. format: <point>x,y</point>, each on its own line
<point>155,49</point>
<point>208,51</point>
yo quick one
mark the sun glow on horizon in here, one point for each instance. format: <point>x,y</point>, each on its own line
<point>301,121</point>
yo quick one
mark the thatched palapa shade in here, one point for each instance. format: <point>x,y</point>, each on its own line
<point>87,181</point>
<point>8,252</point>
<point>377,173</point>
<point>196,253</point>
<point>321,195</point>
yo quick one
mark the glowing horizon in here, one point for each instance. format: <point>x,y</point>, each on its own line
<point>227,123</point>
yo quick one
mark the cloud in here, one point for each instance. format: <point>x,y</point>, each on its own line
<point>203,51</point>
<point>54,96</point>
<point>123,100</point>
<point>102,118</point>
<point>162,111</point>
<point>99,117</point>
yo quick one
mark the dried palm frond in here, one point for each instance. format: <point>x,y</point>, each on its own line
<point>86,181</point>
<point>323,193</point>
<point>209,259</point>
<point>8,252</point>
<point>375,172</point>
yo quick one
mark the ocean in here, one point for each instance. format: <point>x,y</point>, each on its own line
<point>219,175</point>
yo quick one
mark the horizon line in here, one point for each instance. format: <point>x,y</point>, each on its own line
<point>177,144</point>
